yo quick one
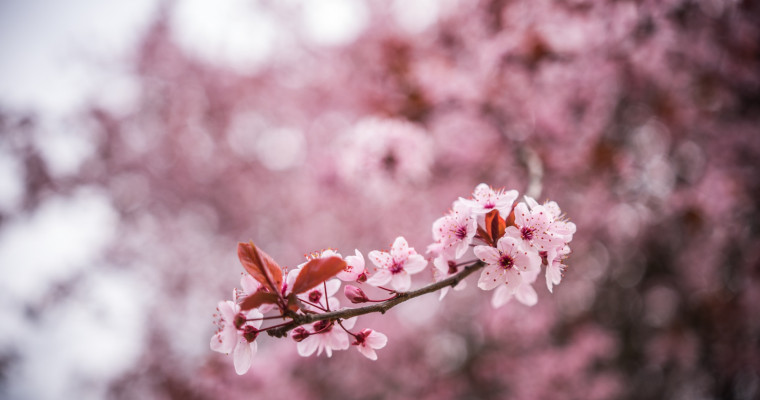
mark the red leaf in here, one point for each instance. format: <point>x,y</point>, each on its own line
<point>511,218</point>
<point>258,299</point>
<point>261,266</point>
<point>317,271</point>
<point>293,303</point>
<point>495,226</point>
<point>485,236</point>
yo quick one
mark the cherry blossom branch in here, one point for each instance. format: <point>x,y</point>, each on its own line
<point>304,319</point>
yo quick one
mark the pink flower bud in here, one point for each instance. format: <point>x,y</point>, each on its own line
<point>299,334</point>
<point>355,295</point>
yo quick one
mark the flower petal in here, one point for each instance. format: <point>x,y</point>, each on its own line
<point>243,356</point>
<point>401,281</point>
<point>415,264</point>
<point>530,201</point>
<point>400,249</point>
<point>527,295</point>
<point>501,296</point>
<point>380,278</point>
<point>487,254</point>
<point>376,340</point>
<point>512,279</point>
<point>256,315</point>
<point>308,346</point>
<point>367,351</point>
<point>508,245</point>
<point>228,309</point>
<point>332,287</point>
<point>249,284</point>
<point>553,275</point>
<point>381,259</point>
<point>491,277</point>
<point>224,341</point>
<point>349,323</point>
<point>354,267</point>
<point>337,339</point>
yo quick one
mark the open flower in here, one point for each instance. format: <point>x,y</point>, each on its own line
<point>396,266</point>
<point>236,334</point>
<point>506,264</point>
<point>325,336</point>
<point>524,293</point>
<point>484,199</point>
<point>555,268</point>
<point>367,341</point>
<point>456,230</point>
<point>354,267</point>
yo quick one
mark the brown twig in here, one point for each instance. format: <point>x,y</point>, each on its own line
<point>302,319</point>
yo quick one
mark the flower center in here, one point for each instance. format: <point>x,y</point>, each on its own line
<point>315,296</point>
<point>461,232</point>
<point>396,267</point>
<point>506,261</point>
<point>250,333</point>
<point>489,205</point>
<point>322,326</point>
<point>527,233</point>
<point>239,320</point>
<point>360,338</point>
<point>452,268</point>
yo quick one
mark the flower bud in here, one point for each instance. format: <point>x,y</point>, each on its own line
<point>355,295</point>
<point>299,334</point>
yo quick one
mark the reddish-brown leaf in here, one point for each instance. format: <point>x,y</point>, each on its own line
<point>258,299</point>
<point>261,266</point>
<point>485,236</point>
<point>511,218</point>
<point>293,303</point>
<point>495,226</point>
<point>317,271</point>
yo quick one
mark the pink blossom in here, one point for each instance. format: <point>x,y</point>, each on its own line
<point>325,336</point>
<point>484,199</point>
<point>396,266</point>
<point>354,267</point>
<point>524,293</point>
<point>559,226</point>
<point>506,264</point>
<point>368,340</point>
<point>533,228</point>
<point>553,233</point>
<point>236,334</point>
<point>555,268</point>
<point>456,230</point>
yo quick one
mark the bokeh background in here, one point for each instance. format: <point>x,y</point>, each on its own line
<point>141,140</point>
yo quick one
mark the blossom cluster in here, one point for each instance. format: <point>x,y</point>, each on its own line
<point>510,242</point>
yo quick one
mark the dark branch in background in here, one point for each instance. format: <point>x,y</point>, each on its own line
<point>304,319</point>
<point>535,168</point>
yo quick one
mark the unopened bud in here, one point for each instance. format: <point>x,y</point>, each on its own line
<point>299,334</point>
<point>355,295</point>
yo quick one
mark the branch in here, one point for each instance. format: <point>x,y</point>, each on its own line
<point>303,319</point>
<point>532,162</point>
